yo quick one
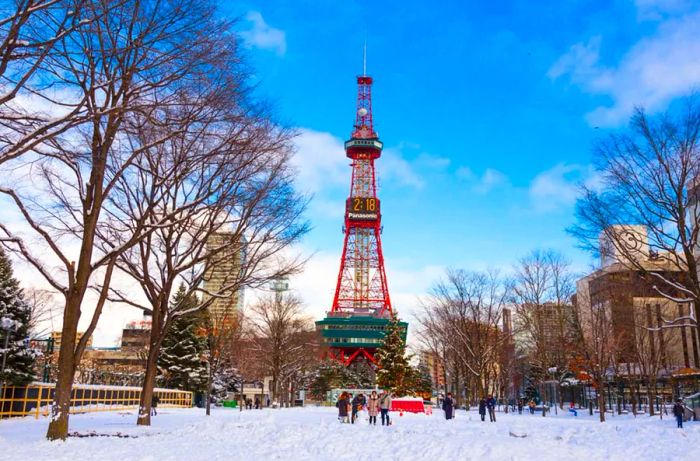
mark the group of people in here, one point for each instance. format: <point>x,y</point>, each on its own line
<point>349,407</point>
<point>490,405</point>
<point>531,405</point>
<point>249,403</point>
<point>485,404</point>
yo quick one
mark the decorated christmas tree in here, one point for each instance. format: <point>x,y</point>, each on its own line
<point>394,372</point>
<point>14,329</point>
<point>180,362</point>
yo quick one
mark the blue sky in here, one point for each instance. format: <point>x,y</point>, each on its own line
<point>487,113</point>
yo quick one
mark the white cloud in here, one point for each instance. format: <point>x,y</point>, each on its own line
<point>657,69</point>
<point>580,61</point>
<point>393,167</point>
<point>434,162</point>
<point>488,181</point>
<point>655,10</point>
<point>320,161</point>
<point>558,187</point>
<point>264,36</point>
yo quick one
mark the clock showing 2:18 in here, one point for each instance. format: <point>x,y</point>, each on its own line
<point>359,206</point>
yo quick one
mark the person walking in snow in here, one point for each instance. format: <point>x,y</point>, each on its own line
<point>257,403</point>
<point>678,411</point>
<point>373,407</point>
<point>482,409</point>
<point>531,405</point>
<point>357,404</point>
<point>385,406</point>
<point>520,406</point>
<point>448,405</point>
<point>343,404</point>
<point>155,400</point>
<point>491,407</point>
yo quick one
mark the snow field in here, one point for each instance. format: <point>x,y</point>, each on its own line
<point>301,434</point>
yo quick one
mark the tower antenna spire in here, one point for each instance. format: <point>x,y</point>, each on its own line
<point>364,59</point>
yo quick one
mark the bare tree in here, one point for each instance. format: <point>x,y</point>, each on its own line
<point>432,336</point>
<point>225,185</point>
<point>31,32</point>
<point>226,334</point>
<point>595,340</point>
<point>125,62</point>
<point>649,177</point>
<point>42,306</point>
<point>541,290</point>
<point>284,339</point>
<point>465,310</point>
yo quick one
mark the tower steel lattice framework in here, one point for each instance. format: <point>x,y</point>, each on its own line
<point>361,307</point>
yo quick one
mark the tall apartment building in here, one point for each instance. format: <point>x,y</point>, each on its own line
<point>552,324</point>
<point>436,369</point>
<point>640,316</point>
<point>223,271</point>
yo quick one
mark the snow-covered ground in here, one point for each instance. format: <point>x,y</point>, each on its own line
<point>302,434</point>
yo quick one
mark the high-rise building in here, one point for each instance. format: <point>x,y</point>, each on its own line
<point>435,367</point>
<point>640,316</point>
<point>222,276</point>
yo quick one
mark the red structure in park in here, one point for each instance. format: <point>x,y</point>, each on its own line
<point>361,308</point>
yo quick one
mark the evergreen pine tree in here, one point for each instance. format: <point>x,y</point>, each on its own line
<point>421,380</point>
<point>180,363</point>
<point>14,321</point>
<point>394,371</point>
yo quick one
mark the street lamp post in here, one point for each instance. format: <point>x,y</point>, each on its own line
<point>9,326</point>
<point>279,286</point>
<point>552,372</point>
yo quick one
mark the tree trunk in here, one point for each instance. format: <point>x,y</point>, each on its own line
<point>544,399</point>
<point>241,402</point>
<point>650,398</point>
<point>561,397</point>
<point>144,416</point>
<point>274,389</point>
<point>209,383</point>
<point>601,403</point>
<point>58,427</point>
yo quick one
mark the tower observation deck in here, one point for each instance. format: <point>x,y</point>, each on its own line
<point>354,327</point>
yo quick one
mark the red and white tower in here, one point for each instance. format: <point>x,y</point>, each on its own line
<point>361,306</point>
<point>362,287</point>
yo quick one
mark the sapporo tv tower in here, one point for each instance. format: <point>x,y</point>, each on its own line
<point>354,327</point>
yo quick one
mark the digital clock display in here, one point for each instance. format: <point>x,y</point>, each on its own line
<point>362,208</point>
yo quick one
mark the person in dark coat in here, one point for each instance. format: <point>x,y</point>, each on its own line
<point>342,404</point>
<point>482,408</point>
<point>357,404</point>
<point>448,405</point>
<point>491,407</point>
<point>678,411</point>
<point>520,406</point>
<point>155,400</point>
